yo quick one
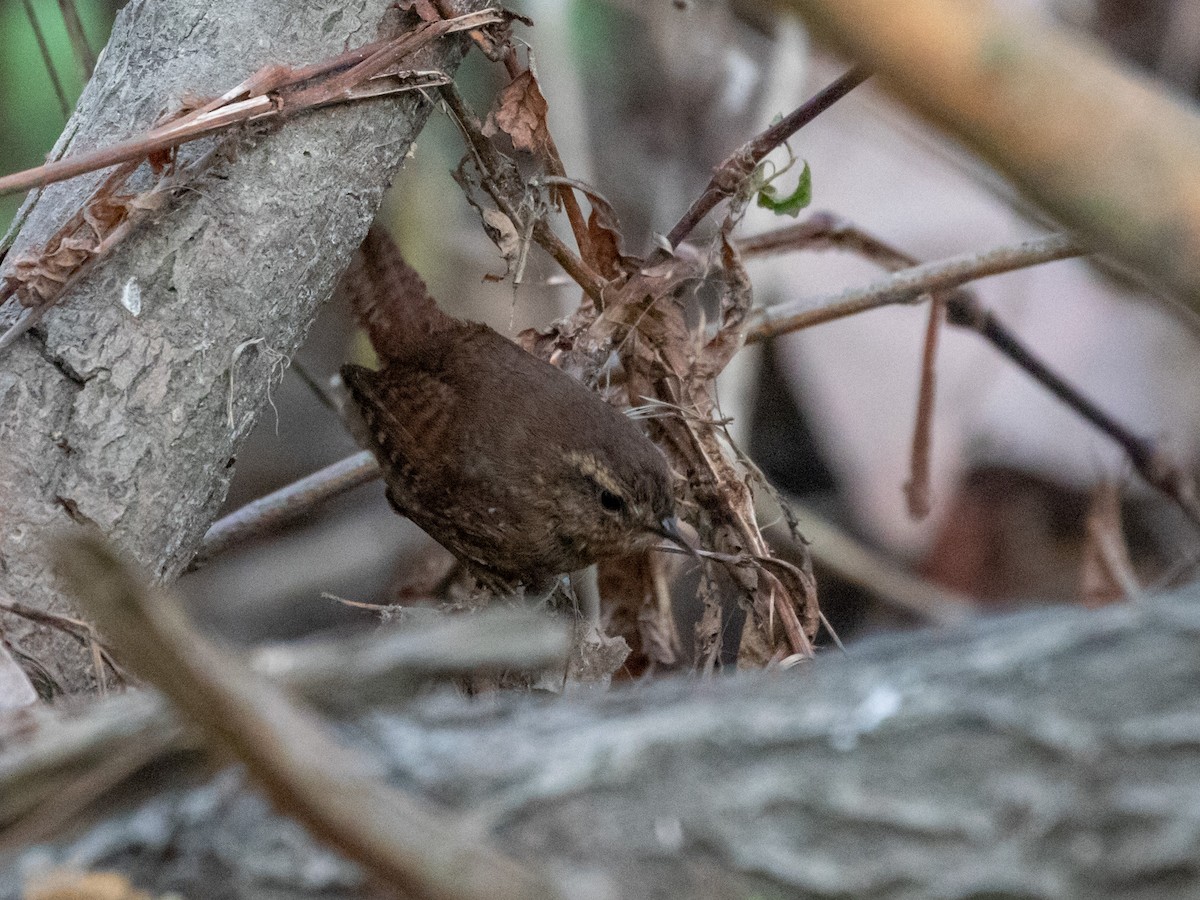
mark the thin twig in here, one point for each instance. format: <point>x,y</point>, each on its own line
<point>321,391</point>
<point>289,504</point>
<point>78,37</point>
<point>330,87</point>
<point>917,490</point>
<point>731,174</point>
<point>63,102</point>
<point>80,631</point>
<point>138,147</point>
<point>554,166</point>
<point>552,159</point>
<point>1107,574</point>
<point>867,568</point>
<point>490,167</point>
<point>1150,460</point>
<point>909,284</point>
<point>824,231</point>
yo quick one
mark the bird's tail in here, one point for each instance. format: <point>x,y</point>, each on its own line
<point>389,298</point>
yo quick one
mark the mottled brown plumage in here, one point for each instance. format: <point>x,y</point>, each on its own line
<point>508,462</point>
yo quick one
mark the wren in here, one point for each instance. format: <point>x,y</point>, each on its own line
<point>505,460</point>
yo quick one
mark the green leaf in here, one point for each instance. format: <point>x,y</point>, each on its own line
<point>768,196</point>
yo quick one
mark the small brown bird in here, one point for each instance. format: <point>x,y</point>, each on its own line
<point>509,463</point>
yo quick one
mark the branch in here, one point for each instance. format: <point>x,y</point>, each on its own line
<point>49,782</point>
<point>917,488</point>
<point>1150,460</point>
<point>908,285</point>
<point>291,503</point>
<point>507,192</point>
<point>47,59</point>
<point>332,789</point>
<point>1050,753</point>
<point>731,175</point>
<point>267,94</point>
<point>1111,155</point>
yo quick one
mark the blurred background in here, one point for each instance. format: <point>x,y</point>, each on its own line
<point>645,98</point>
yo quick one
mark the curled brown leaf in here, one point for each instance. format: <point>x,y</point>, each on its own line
<point>520,112</point>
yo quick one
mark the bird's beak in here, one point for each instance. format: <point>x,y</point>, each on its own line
<point>669,528</point>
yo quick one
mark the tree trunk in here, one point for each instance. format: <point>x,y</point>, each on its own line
<point>131,418</point>
<point>1051,754</point>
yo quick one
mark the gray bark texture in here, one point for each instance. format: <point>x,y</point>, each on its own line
<point>123,419</point>
<point>1052,754</point>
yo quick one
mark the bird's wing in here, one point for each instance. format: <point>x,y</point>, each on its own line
<point>404,415</point>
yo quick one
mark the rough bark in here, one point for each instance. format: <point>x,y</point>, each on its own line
<point>123,419</point>
<point>1050,754</point>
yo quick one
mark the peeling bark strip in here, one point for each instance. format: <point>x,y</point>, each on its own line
<point>123,415</point>
<point>42,276</point>
<point>1047,754</point>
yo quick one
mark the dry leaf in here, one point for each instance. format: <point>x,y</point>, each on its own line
<point>656,618</point>
<point>604,242</point>
<point>38,278</point>
<point>520,112</point>
<point>595,656</point>
<point>676,365</point>
<point>603,248</point>
<point>162,160</point>
<point>625,587</point>
<point>503,233</point>
<point>640,610</point>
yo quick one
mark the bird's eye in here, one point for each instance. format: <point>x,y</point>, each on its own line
<point>611,501</point>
